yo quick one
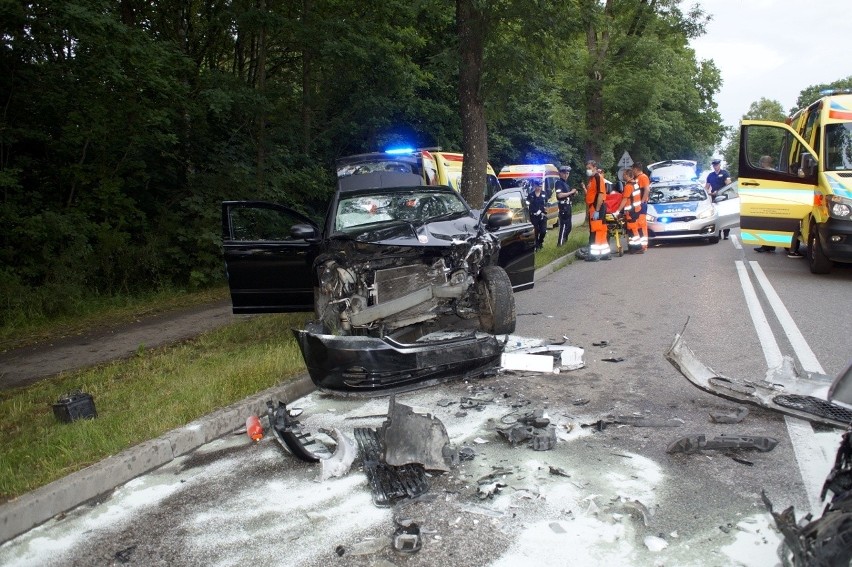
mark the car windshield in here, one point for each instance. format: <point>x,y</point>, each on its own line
<point>838,148</point>
<point>411,206</point>
<point>676,194</point>
<point>377,166</point>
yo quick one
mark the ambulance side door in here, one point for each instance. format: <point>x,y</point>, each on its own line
<point>777,180</point>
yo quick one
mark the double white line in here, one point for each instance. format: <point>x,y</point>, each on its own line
<point>814,461</point>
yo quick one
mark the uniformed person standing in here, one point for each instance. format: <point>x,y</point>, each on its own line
<point>563,196</point>
<point>537,200</point>
<point>641,180</point>
<point>596,210</point>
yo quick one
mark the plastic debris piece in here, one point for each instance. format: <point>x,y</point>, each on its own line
<point>124,555</point>
<point>368,546</point>
<point>485,491</point>
<point>655,544</point>
<point>642,421</point>
<point>695,443</point>
<point>406,538</point>
<point>636,508</point>
<point>388,483</point>
<point>253,428</point>
<point>480,440</point>
<point>412,438</point>
<point>613,359</point>
<point>289,433</point>
<point>466,454</point>
<point>735,416</point>
<point>526,362</point>
<point>580,401</point>
<point>339,463</point>
<point>556,471</point>
<point>601,343</point>
<point>742,461</point>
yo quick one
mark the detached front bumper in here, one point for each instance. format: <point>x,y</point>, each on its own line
<point>369,365</point>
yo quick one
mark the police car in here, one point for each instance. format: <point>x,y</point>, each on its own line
<point>679,210</point>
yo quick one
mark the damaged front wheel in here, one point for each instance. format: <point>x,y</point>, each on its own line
<point>497,303</point>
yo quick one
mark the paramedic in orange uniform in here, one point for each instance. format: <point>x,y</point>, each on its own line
<point>631,204</point>
<point>643,183</point>
<point>595,195</point>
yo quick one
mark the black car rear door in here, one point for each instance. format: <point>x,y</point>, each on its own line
<point>517,241</point>
<point>269,269</point>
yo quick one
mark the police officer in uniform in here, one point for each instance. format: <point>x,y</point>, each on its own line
<point>537,200</point>
<point>563,196</point>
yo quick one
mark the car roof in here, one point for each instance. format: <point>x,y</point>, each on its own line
<point>671,162</point>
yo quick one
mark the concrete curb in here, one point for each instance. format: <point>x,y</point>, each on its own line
<point>31,509</point>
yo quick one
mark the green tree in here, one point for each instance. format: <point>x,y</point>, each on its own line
<point>763,109</point>
<point>812,93</point>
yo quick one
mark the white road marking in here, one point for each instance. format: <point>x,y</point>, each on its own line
<point>803,351</point>
<point>812,461</point>
<point>736,242</point>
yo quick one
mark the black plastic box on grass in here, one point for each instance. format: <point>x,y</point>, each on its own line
<point>74,406</point>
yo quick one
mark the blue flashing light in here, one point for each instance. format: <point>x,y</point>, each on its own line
<point>665,220</point>
<point>654,178</point>
<point>399,151</point>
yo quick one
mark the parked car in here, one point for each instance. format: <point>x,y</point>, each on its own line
<point>683,210</point>
<point>394,259</point>
<point>673,170</point>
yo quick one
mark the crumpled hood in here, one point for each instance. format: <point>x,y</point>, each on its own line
<point>440,234</point>
<point>674,208</point>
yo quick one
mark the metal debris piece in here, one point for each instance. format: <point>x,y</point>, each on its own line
<point>759,393</point>
<point>742,461</point>
<point>827,540</point>
<point>289,433</point>
<point>642,421</point>
<point>412,438</point>
<point>613,359</point>
<point>466,453</point>
<point>580,401</point>
<point>485,491</point>
<point>339,463</point>
<point>695,443</point>
<point>388,483</point>
<point>123,556</point>
<point>556,471</point>
<point>601,343</point>
<point>406,538</point>
<point>736,416</point>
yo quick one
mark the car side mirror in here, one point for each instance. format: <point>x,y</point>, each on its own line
<point>498,220</point>
<point>303,232</point>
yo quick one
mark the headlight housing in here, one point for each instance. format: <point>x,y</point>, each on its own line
<point>839,207</point>
<point>707,213</point>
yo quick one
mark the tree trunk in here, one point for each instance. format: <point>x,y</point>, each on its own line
<point>307,78</point>
<point>261,87</point>
<point>470,19</point>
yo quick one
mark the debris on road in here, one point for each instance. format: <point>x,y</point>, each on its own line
<point>695,443</point>
<point>289,433</point>
<point>388,483</point>
<point>759,393</point>
<point>655,544</point>
<point>412,438</point>
<point>533,428</point>
<point>613,359</point>
<point>339,463</point>
<point>124,555</point>
<point>406,538</point>
<point>735,416</point>
<point>253,428</point>
<point>827,540</point>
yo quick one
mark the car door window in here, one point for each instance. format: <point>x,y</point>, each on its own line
<point>252,224</point>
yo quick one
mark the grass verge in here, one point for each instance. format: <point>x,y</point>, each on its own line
<point>579,237</point>
<point>141,398</point>
<point>103,312</point>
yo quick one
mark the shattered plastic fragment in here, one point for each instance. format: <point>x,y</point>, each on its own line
<point>736,416</point>
<point>695,443</point>
<point>613,359</point>
<point>655,544</point>
<point>411,438</point>
<point>339,463</point>
<point>406,538</point>
<point>556,471</point>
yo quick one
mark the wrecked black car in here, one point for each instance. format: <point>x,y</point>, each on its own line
<point>393,262</point>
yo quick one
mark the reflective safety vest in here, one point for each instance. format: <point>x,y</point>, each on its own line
<point>633,196</point>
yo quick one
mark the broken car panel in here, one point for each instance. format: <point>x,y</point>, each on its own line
<point>388,265</point>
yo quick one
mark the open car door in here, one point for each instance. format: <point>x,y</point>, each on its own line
<point>777,181</point>
<point>269,252</point>
<point>517,240</point>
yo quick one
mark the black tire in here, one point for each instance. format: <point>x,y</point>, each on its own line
<point>818,262</point>
<point>497,302</point>
<point>714,239</point>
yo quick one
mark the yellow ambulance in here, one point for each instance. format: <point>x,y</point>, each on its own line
<point>795,181</point>
<point>522,174</point>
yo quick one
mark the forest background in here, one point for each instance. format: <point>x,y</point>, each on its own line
<point>125,123</point>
